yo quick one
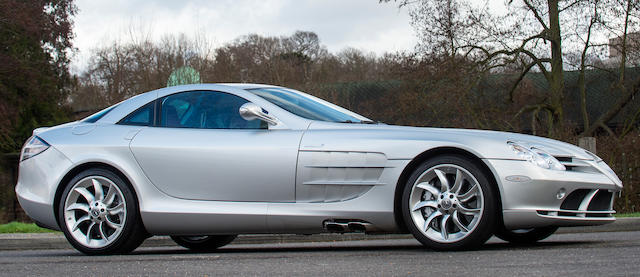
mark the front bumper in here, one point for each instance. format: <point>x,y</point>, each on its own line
<point>37,183</point>
<point>536,197</point>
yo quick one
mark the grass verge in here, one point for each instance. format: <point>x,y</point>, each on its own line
<point>628,215</point>
<point>19,227</point>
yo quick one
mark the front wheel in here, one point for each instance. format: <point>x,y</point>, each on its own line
<point>203,243</point>
<point>525,236</point>
<point>448,203</point>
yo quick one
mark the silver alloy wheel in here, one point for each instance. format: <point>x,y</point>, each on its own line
<point>95,211</point>
<point>446,203</point>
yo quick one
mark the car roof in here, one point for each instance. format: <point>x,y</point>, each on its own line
<point>127,106</point>
<point>205,86</point>
<point>246,85</point>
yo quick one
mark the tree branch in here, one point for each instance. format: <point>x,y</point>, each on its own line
<point>524,72</point>
<point>614,110</point>
<point>571,5</point>
<point>540,61</point>
<point>535,13</point>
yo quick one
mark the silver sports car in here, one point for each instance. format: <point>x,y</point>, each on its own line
<point>204,163</point>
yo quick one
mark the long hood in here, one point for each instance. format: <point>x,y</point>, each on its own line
<point>483,143</point>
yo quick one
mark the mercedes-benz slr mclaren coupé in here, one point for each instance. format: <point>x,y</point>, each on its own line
<point>204,163</point>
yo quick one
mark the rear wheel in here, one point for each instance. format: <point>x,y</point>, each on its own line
<point>449,204</point>
<point>525,236</point>
<point>98,214</point>
<point>203,243</point>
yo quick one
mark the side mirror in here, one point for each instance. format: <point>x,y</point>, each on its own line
<point>251,111</point>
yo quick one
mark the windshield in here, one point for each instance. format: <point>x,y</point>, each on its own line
<point>308,106</point>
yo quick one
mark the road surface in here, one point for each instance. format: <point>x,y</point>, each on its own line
<point>582,254</point>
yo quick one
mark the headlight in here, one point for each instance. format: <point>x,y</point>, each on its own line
<point>34,146</point>
<point>536,156</point>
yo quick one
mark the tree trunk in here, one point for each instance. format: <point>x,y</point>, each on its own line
<point>556,83</point>
<point>581,78</point>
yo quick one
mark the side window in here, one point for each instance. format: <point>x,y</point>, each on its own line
<point>140,117</point>
<point>206,110</point>
<point>178,110</point>
<point>96,116</point>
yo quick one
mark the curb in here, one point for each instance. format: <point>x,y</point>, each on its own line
<point>39,241</point>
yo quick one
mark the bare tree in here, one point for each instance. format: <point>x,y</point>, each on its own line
<point>122,70</point>
<point>530,34</point>
<point>589,21</point>
<point>629,11</point>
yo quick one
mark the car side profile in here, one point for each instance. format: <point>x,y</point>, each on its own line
<point>204,163</point>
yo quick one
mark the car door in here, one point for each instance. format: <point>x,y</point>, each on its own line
<point>202,149</point>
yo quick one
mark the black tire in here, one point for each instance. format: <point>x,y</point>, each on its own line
<point>525,236</point>
<point>203,243</point>
<point>484,226</point>
<point>132,232</point>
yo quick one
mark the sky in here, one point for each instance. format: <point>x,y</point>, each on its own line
<point>363,24</point>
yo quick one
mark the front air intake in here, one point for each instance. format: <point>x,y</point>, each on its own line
<point>585,203</point>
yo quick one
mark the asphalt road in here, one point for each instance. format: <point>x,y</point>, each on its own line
<point>582,254</point>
